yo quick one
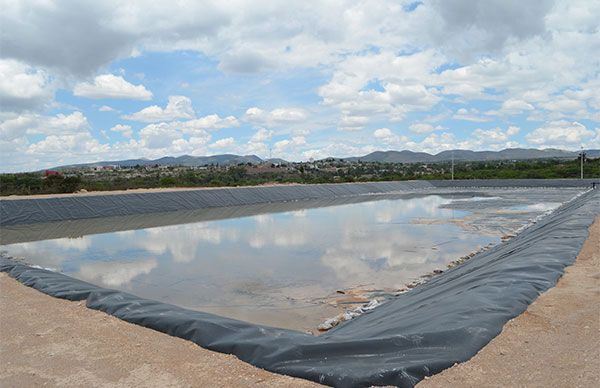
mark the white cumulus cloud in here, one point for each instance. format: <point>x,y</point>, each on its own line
<point>22,86</point>
<point>178,107</point>
<point>34,124</point>
<point>425,128</point>
<point>125,130</point>
<point>275,117</point>
<point>111,86</point>
<point>388,137</point>
<point>223,143</point>
<point>562,134</point>
<point>514,106</point>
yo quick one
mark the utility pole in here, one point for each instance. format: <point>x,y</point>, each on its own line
<point>452,165</point>
<point>582,157</point>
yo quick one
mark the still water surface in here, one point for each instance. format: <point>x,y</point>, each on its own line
<point>276,269</point>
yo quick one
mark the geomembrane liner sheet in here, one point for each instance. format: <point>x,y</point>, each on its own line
<point>75,207</point>
<point>18,233</point>
<point>416,334</point>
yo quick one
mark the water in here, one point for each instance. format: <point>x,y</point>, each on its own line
<point>282,269</point>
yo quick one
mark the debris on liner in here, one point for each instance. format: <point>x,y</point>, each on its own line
<point>348,315</point>
<point>353,313</point>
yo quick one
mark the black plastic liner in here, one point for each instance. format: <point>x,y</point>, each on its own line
<point>76,207</point>
<point>417,334</point>
<point>12,234</point>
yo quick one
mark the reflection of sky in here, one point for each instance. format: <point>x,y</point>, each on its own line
<point>538,207</point>
<point>270,261</point>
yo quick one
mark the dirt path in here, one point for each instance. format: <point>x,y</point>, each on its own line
<point>45,341</point>
<point>555,343</point>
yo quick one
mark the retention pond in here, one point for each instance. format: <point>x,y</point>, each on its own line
<point>289,265</point>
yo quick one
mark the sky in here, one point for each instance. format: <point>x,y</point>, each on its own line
<point>84,81</point>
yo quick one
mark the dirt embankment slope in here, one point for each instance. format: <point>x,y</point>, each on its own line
<point>555,343</point>
<point>45,341</point>
<point>131,191</point>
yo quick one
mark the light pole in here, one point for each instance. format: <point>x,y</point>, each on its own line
<point>452,169</point>
<point>582,157</point>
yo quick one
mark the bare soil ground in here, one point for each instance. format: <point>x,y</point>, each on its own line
<point>45,341</point>
<point>555,343</point>
<point>134,191</point>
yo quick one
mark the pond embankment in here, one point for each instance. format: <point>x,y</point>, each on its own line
<point>66,344</point>
<point>554,343</point>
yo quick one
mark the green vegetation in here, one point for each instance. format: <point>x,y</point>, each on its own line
<point>31,183</point>
<point>327,171</point>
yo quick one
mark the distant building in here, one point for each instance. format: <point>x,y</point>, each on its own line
<point>105,168</point>
<point>48,173</point>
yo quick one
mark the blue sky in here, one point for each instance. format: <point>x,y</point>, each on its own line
<point>89,81</point>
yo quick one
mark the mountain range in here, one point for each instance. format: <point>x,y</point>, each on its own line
<point>377,156</point>
<point>184,160</point>
<point>471,156</point>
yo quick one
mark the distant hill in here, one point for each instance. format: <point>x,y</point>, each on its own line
<point>467,155</point>
<point>378,156</point>
<point>394,157</point>
<point>184,160</point>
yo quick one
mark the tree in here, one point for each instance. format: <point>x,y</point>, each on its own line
<point>167,181</point>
